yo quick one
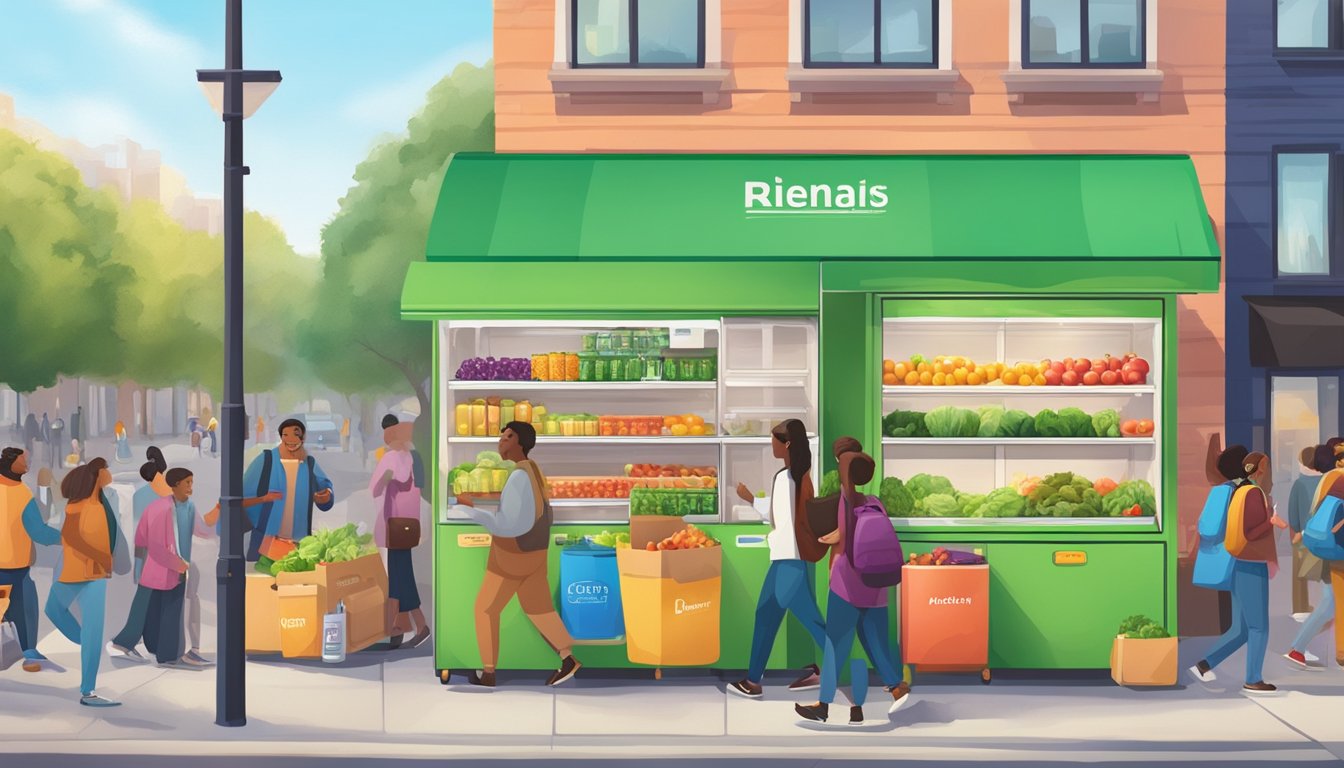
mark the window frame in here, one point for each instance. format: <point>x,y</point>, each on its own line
<point>876,63</point>
<point>1333,228</point>
<point>632,15</point>
<point>1085,43</point>
<point>1334,46</point>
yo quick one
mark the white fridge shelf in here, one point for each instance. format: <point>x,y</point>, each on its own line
<point>983,390</point>
<point>1126,442</point>
<point>594,386</point>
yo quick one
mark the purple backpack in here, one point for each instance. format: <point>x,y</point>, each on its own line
<point>872,546</point>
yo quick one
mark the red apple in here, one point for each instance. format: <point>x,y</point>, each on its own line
<point>1091,378</point>
<point>1060,368</point>
<point>1069,379</point>
<point>1129,356</point>
<point>1110,378</point>
<point>1115,363</point>
<point>1140,365</point>
<point>1100,367</point>
<point>1129,428</point>
<point>1053,378</point>
<point>1133,377</point>
<point>1068,363</point>
<point>1082,365</point>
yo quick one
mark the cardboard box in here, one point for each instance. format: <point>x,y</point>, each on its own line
<point>300,621</point>
<point>263,615</point>
<point>672,603</point>
<point>944,619</point>
<point>365,619</point>
<point>338,581</point>
<point>1144,662</point>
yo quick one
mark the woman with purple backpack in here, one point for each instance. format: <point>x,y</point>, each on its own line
<point>866,564</point>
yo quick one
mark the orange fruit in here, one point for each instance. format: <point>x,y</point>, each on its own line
<point>1038,380</point>
<point>680,430</point>
<point>1024,381</point>
<point>961,376</point>
<point>949,367</point>
<point>671,421</point>
<point>939,378</point>
<point>900,371</point>
<point>924,368</point>
<point>1010,377</point>
<point>911,379</point>
<point>888,366</point>
<point>889,379</point>
<point>693,421</point>
<point>926,378</point>
<point>697,430</point>
<point>973,378</point>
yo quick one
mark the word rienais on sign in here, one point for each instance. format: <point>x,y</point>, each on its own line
<point>781,198</point>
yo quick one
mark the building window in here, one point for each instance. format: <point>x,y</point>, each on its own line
<point>1309,25</point>
<point>1302,217</point>
<point>638,33</point>
<point>870,33</point>
<point>1083,33</point>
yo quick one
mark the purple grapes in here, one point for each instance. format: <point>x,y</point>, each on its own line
<point>495,369</point>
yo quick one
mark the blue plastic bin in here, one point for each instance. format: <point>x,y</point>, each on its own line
<point>590,593</point>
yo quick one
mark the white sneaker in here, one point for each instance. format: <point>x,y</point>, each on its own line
<point>1310,657</point>
<point>130,654</point>
<point>1203,673</point>
<point>1301,617</point>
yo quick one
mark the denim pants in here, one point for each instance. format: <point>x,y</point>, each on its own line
<point>1318,620</point>
<point>1250,620</point>
<point>92,599</point>
<point>788,587</point>
<point>163,623</point>
<point>22,608</point>
<point>843,622</point>
<point>131,634</point>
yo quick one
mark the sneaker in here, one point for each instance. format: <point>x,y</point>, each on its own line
<point>32,665</point>
<point>856,715</point>
<point>566,671</point>
<point>1259,688</point>
<point>1203,673</point>
<point>419,639</point>
<point>482,679</point>
<point>900,696</point>
<point>810,680</point>
<point>188,661</point>
<point>198,658</point>
<point>1301,617</point>
<point>1303,661</point>
<point>813,713</point>
<point>94,700</point>
<point>1311,657</point>
<point>130,654</point>
<point>745,688</point>
<point>174,664</point>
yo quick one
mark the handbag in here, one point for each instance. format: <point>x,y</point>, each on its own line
<point>403,532</point>
<point>1312,567</point>
<point>276,547</point>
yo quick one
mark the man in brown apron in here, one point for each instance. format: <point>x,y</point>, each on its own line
<point>520,536</point>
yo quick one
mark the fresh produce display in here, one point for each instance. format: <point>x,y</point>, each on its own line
<point>333,545</point>
<point>674,502</point>
<point>945,556</point>
<point>492,369</point>
<point>830,484</point>
<point>1139,627</point>
<point>669,470</point>
<point>895,497</point>
<point>1129,369</point>
<point>619,540</point>
<point>688,424</point>
<point>484,416</point>
<point>555,366</point>
<point>486,475</point>
<point>992,421</point>
<point>627,426</point>
<point>619,487</point>
<point>1063,494</point>
<point>690,538</point>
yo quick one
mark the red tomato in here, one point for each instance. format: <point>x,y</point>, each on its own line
<point>1082,365</point>
<point>1069,379</point>
<point>1091,378</point>
<point>1134,377</point>
<point>1053,377</point>
<point>1110,378</point>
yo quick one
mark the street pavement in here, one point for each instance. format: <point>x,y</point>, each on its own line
<point>384,706</point>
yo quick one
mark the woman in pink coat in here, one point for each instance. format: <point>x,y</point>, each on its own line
<point>395,487</point>
<point>165,571</point>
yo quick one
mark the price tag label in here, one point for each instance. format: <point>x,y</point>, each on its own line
<point>1071,558</point>
<point>472,540</point>
<point>751,541</point>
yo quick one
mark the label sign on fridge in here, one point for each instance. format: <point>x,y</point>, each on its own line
<point>1071,558</point>
<point>751,541</point>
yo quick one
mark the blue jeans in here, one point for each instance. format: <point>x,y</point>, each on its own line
<point>788,587</point>
<point>1317,621</point>
<point>131,634</point>
<point>843,621</point>
<point>22,608</point>
<point>1250,620</point>
<point>92,599</point>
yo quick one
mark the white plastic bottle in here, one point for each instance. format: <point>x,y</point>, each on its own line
<point>333,635</point>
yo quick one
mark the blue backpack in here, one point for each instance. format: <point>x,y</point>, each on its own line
<point>1213,563</point>
<point>1319,537</point>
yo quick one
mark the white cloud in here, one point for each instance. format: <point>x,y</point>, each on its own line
<point>389,107</point>
<point>138,30</point>
<point>92,120</point>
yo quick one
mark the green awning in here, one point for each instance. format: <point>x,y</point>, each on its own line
<point>808,207</point>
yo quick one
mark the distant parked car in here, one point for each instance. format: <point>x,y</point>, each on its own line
<point>323,434</point>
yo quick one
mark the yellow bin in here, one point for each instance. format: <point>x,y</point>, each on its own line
<point>672,602</point>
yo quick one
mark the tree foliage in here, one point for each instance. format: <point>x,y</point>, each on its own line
<point>356,339</point>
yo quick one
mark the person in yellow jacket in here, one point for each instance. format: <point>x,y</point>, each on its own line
<point>21,526</point>
<point>1330,460</point>
<point>88,539</point>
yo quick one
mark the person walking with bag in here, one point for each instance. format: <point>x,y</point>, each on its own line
<point>789,583</point>
<point>520,537</point>
<point>88,539</point>
<point>1330,460</point>
<point>858,601</point>
<point>165,571</point>
<point>290,471</point>
<point>395,487</point>
<point>1249,538</point>
<point>1319,460</point>
<point>21,526</point>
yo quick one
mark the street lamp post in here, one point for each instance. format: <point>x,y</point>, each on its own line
<point>235,93</point>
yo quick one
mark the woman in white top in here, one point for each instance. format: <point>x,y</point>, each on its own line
<point>790,584</point>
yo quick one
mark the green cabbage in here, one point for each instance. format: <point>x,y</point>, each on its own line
<point>334,545</point>
<point>1076,423</point>
<point>904,424</point>
<point>922,486</point>
<point>1106,423</point>
<point>970,502</point>
<point>950,421</point>
<point>1016,424</point>
<point>1003,502</point>
<point>991,420</point>
<point>1126,495</point>
<point>942,505</point>
<point>488,459</point>
<point>896,498</point>
<point>1141,627</point>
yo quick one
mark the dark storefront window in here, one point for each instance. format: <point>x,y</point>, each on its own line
<point>637,33</point>
<point>1308,26</point>
<point>1304,225</point>
<point>1304,411</point>
<point>1083,33</point>
<point>870,33</point>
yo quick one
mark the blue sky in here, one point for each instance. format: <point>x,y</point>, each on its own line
<point>354,71</point>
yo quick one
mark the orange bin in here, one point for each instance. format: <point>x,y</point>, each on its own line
<point>945,618</point>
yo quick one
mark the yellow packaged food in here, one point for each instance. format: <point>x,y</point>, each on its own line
<point>571,367</point>
<point>462,416</point>
<point>491,420</point>
<point>478,418</point>
<point>557,366</point>
<point>522,411</point>
<point>541,368</point>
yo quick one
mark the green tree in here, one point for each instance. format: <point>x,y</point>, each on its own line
<point>356,339</point>
<point>61,287</point>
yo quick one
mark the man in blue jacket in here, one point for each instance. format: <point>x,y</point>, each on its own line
<point>288,470</point>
